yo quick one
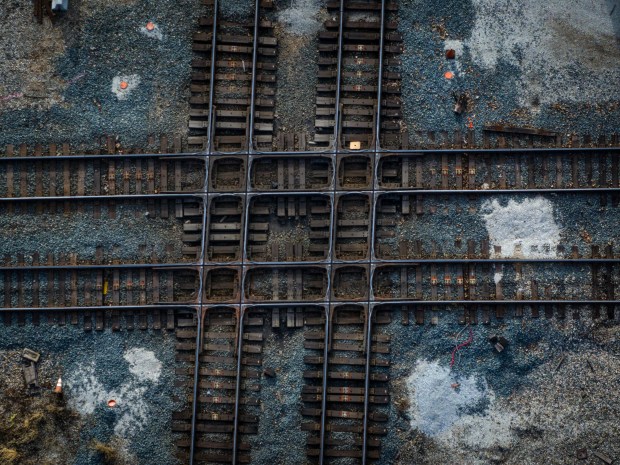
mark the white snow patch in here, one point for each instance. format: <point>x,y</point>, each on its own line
<point>132,80</point>
<point>546,41</point>
<point>497,277</point>
<point>526,229</point>
<point>154,34</point>
<point>301,18</point>
<point>87,392</point>
<point>143,364</point>
<point>435,405</point>
<point>438,410</point>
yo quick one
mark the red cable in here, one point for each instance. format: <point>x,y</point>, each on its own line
<point>460,346</point>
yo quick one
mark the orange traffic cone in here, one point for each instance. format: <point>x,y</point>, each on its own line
<point>58,388</point>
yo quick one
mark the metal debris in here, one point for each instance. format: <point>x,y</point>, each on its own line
<point>603,457</point>
<point>499,342</point>
<point>30,369</point>
<point>461,103</point>
<point>31,355</point>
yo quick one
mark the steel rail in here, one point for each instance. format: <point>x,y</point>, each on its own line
<point>211,95</point>
<point>163,305</point>
<point>239,348</point>
<point>368,329</point>
<point>108,266</point>
<point>453,302</point>
<point>87,157</point>
<point>336,145</point>
<point>329,151</point>
<point>199,309</point>
<point>241,309</point>
<point>554,261</point>
<point>252,191</point>
<point>552,150</point>
<point>250,130</point>
<point>424,152</point>
<point>323,264</point>
<point>377,145</point>
<point>241,315</point>
<point>59,198</point>
<point>199,329</point>
<point>371,238</point>
<point>575,190</point>
<point>326,348</point>
<point>298,303</point>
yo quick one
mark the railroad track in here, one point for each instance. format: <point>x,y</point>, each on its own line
<point>355,408</point>
<point>433,281</point>
<point>357,65</point>
<point>239,59</point>
<point>299,173</point>
<point>229,371</point>
<point>513,170</point>
<point>490,170</point>
<point>167,184</point>
<point>272,219</point>
<point>99,175</point>
<point>68,292</point>
<point>307,235</point>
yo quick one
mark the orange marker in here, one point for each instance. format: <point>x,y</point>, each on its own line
<point>123,85</point>
<point>448,75</point>
<point>111,403</point>
<point>58,388</point>
<point>150,26</point>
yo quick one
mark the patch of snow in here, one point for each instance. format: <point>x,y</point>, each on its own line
<point>526,229</point>
<point>435,405</point>
<point>133,410</point>
<point>143,364</point>
<point>86,392</point>
<point>301,18</point>
<point>563,49</point>
<point>440,411</point>
<point>132,80</point>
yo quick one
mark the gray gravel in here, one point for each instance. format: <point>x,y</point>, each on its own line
<point>82,54</point>
<point>279,438</point>
<point>129,370</point>
<point>516,71</point>
<point>511,382</point>
<point>80,233</point>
